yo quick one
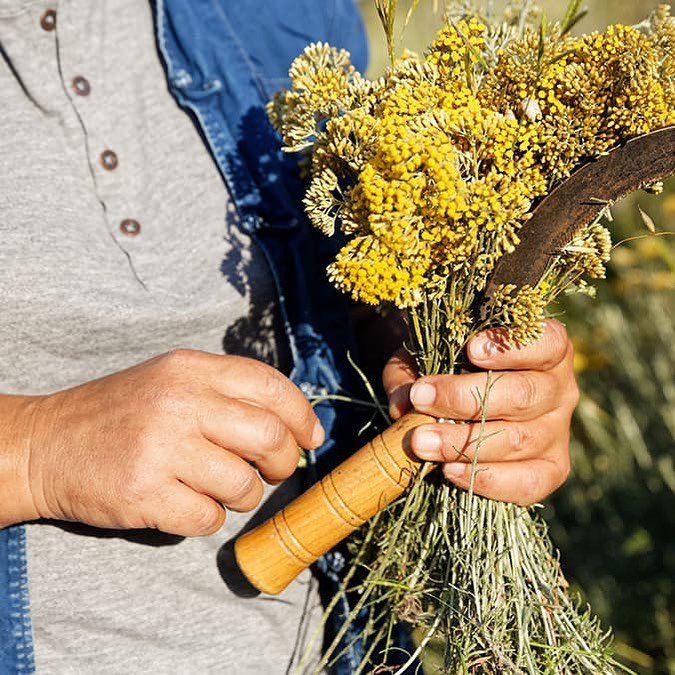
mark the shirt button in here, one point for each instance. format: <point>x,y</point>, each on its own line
<point>81,86</point>
<point>48,20</point>
<point>130,227</point>
<point>108,160</point>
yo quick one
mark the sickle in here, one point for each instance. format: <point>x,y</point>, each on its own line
<point>270,556</point>
<point>577,201</point>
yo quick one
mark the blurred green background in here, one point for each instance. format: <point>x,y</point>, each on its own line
<point>614,520</point>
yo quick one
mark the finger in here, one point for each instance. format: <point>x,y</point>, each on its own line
<point>516,396</point>
<point>223,476</point>
<point>523,483</point>
<point>186,513</point>
<point>263,386</point>
<point>491,350</point>
<point>255,434</point>
<point>397,377</point>
<point>495,442</point>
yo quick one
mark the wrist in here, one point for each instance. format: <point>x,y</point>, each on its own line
<point>17,428</point>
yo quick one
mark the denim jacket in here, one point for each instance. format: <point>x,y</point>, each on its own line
<point>223,60</point>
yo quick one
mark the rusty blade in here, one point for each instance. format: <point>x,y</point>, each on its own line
<point>577,201</point>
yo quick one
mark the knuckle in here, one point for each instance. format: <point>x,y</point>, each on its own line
<point>281,394</point>
<point>291,463</point>
<point>461,398</point>
<point>284,461</point>
<point>178,359</point>
<point>274,386</point>
<point>538,482</point>
<point>458,441</point>
<point>138,487</point>
<point>483,481</point>
<point>530,487</point>
<point>523,392</point>
<point>573,392</point>
<point>520,438</point>
<point>562,468</point>
<point>456,398</point>
<point>169,390</point>
<point>206,520</point>
<point>566,379</point>
<point>244,490</point>
<point>556,341</point>
<point>272,433</point>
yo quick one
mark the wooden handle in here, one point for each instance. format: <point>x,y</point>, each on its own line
<point>275,552</point>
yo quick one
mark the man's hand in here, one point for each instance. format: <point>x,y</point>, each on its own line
<point>524,450</point>
<point>167,444</point>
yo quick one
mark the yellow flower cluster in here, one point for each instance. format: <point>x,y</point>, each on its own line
<point>590,93</point>
<point>521,311</point>
<point>584,257</point>
<point>432,169</point>
<point>456,52</point>
<point>588,252</point>
<point>321,87</point>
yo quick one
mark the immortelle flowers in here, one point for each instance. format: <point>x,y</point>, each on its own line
<point>430,172</point>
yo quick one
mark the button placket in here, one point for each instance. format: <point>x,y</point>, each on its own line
<point>83,81</point>
<point>78,79</point>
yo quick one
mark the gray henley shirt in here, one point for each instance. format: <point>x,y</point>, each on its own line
<point>117,242</point>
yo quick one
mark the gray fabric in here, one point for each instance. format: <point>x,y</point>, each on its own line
<point>80,299</point>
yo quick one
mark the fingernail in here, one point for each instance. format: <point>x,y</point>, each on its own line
<point>423,394</point>
<point>427,444</point>
<point>454,469</point>
<point>318,435</point>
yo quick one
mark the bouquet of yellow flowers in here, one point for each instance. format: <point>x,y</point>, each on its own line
<point>431,172</point>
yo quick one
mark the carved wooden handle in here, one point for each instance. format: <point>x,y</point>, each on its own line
<point>276,551</point>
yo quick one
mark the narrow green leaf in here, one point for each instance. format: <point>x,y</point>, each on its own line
<point>576,20</point>
<point>411,10</point>
<point>572,16</point>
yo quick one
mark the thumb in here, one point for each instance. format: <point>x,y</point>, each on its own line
<point>397,378</point>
